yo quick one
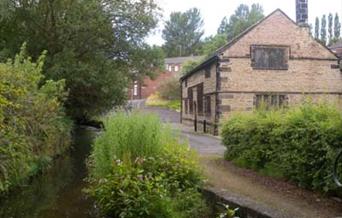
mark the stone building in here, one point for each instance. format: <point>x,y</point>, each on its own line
<point>142,89</point>
<point>275,62</point>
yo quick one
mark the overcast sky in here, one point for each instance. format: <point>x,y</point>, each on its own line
<point>213,11</point>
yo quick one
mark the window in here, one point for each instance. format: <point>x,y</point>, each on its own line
<point>176,68</point>
<point>207,72</point>
<point>269,57</point>
<point>170,67</point>
<point>135,88</point>
<point>186,105</point>
<point>190,100</point>
<point>200,98</point>
<point>166,67</point>
<point>208,105</point>
<point>270,101</point>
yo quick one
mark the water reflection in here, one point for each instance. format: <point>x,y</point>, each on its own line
<point>58,192</point>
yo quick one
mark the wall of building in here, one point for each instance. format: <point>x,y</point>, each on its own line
<point>278,29</point>
<point>309,73</point>
<point>209,88</point>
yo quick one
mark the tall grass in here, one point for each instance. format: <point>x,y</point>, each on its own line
<point>128,137</point>
<point>138,168</point>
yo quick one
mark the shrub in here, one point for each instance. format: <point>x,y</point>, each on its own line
<point>139,169</point>
<point>33,127</point>
<point>170,89</point>
<point>299,143</point>
<point>156,101</point>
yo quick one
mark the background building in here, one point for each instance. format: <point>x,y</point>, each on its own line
<point>142,89</point>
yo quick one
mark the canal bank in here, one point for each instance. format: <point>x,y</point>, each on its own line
<point>57,193</point>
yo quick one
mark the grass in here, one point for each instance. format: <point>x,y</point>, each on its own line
<point>156,101</point>
<point>138,168</point>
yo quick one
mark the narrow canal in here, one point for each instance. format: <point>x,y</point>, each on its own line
<point>56,193</point>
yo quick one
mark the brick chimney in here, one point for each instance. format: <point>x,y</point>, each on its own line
<point>302,13</point>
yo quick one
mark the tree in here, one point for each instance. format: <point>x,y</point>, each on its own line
<point>324,30</point>
<point>337,27</point>
<point>94,45</point>
<point>182,33</point>
<point>243,18</point>
<point>317,28</point>
<point>330,27</point>
<point>212,43</point>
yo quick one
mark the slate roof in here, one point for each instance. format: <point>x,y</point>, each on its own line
<point>180,60</point>
<point>338,44</point>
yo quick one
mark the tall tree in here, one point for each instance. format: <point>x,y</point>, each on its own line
<point>324,30</point>
<point>337,27</point>
<point>182,33</point>
<point>212,43</point>
<point>330,27</point>
<point>243,18</point>
<point>317,28</point>
<point>93,45</point>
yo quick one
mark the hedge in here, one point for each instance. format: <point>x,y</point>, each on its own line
<point>299,143</point>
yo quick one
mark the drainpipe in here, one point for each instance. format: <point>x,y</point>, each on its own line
<point>181,99</point>
<point>217,99</point>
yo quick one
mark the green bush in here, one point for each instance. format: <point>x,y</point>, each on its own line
<point>299,143</point>
<point>33,127</point>
<point>170,89</point>
<point>139,169</point>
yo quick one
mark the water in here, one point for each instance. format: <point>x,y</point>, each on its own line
<point>58,192</point>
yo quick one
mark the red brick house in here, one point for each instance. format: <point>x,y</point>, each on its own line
<point>146,87</point>
<point>275,61</point>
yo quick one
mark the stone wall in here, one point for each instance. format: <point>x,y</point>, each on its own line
<point>278,29</point>
<point>302,76</point>
<point>236,102</point>
<point>308,72</point>
<point>209,88</point>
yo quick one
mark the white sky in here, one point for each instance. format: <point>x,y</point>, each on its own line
<point>213,11</point>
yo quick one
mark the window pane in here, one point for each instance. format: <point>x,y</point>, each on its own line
<point>273,58</point>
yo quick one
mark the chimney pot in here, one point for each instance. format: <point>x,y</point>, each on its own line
<point>302,12</point>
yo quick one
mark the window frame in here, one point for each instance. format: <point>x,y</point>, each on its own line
<point>200,98</point>
<point>271,100</point>
<point>207,72</point>
<point>207,102</point>
<point>285,66</point>
<point>191,100</point>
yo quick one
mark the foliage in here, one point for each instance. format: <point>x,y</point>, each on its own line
<point>299,143</point>
<point>139,169</point>
<point>170,89</point>
<point>330,27</point>
<point>228,213</point>
<point>317,28</point>
<point>337,27</point>
<point>33,126</point>
<point>324,30</point>
<point>243,18</point>
<point>156,100</point>
<point>95,57</point>
<point>182,33</point>
<point>212,43</point>
<point>189,66</point>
